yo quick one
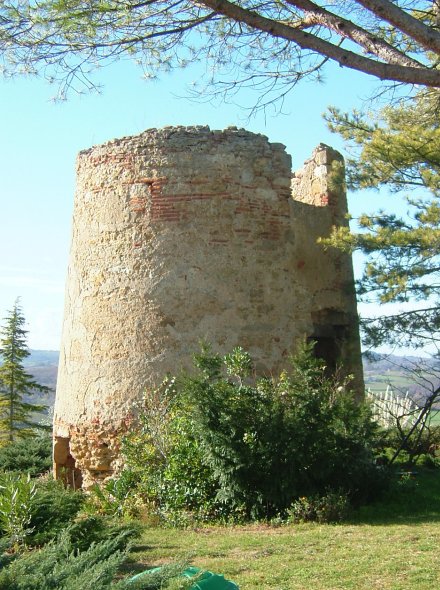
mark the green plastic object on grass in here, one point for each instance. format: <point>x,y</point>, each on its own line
<point>204,580</point>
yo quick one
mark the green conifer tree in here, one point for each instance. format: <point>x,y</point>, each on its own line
<point>397,147</point>
<point>16,414</point>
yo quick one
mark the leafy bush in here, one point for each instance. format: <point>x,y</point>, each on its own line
<point>222,443</point>
<point>35,511</point>
<point>86,530</point>
<point>54,507</point>
<point>164,461</point>
<point>17,496</point>
<point>31,455</point>
<point>422,443</point>
<point>59,566</point>
<point>332,507</point>
<point>278,439</point>
<point>77,552</point>
<point>430,461</point>
<point>115,497</point>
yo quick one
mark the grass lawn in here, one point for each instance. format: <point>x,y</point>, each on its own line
<point>391,545</point>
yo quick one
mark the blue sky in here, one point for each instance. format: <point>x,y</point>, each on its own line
<point>40,139</point>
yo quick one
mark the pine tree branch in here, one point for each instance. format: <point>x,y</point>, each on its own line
<point>427,36</point>
<point>348,30</point>
<point>305,40</point>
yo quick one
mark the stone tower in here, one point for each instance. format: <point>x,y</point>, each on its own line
<point>185,234</point>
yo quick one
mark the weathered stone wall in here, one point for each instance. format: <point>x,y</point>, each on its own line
<point>182,235</point>
<point>318,190</point>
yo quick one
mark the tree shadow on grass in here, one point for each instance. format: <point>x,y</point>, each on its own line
<point>133,567</point>
<point>412,499</point>
<point>137,562</point>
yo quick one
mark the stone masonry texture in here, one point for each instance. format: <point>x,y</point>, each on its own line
<point>183,235</point>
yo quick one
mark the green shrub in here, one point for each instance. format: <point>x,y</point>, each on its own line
<point>422,442</point>
<point>61,566</point>
<point>6,555</point>
<point>430,461</point>
<point>86,530</point>
<point>332,507</point>
<point>31,455</point>
<point>164,461</point>
<point>54,507</point>
<point>35,511</point>
<point>221,443</point>
<point>116,497</point>
<point>274,440</point>
<point>17,497</point>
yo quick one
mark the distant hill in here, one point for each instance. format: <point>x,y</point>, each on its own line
<point>43,366</point>
<point>403,374</point>
<point>374,361</point>
<point>46,358</point>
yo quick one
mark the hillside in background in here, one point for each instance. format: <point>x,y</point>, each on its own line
<point>412,374</point>
<point>43,366</point>
<point>46,358</point>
